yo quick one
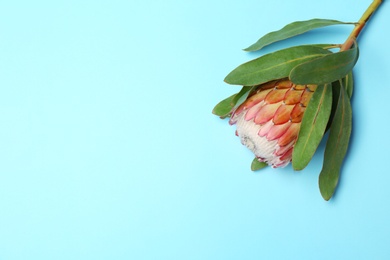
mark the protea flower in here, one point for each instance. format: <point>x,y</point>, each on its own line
<point>291,97</point>
<point>268,122</point>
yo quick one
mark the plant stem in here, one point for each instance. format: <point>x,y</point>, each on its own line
<point>360,25</point>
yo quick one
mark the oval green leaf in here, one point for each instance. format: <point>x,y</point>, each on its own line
<point>274,65</point>
<point>256,165</point>
<point>225,107</point>
<point>241,96</point>
<point>291,30</point>
<point>314,122</point>
<point>336,146</point>
<point>325,69</point>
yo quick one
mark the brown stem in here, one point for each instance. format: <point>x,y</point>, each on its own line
<point>360,25</point>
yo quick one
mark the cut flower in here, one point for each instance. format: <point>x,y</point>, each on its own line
<point>290,98</point>
<point>268,121</point>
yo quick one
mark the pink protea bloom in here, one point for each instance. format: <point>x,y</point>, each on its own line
<point>268,121</point>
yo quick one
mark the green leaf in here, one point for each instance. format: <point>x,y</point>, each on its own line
<point>347,82</point>
<point>272,66</point>
<point>326,46</point>
<point>325,69</point>
<point>336,146</point>
<point>336,86</point>
<point>314,122</point>
<point>291,30</point>
<point>224,108</point>
<point>256,165</point>
<point>242,95</point>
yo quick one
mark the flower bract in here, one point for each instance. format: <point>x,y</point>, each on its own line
<point>268,121</point>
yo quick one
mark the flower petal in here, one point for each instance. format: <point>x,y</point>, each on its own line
<point>255,99</point>
<point>292,97</point>
<point>297,113</point>
<point>264,130</point>
<point>281,84</point>
<point>283,149</point>
<point>282,115</point>
<point>253,111</point>
<point>275,96</point>
<point>287,155</point>
<point>266,113</point>
<point>290,135</point>
<point>299,87</point>
<point>277,131</point>
<point>307,94</point>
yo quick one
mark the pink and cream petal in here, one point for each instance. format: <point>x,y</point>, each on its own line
<point>254,111</point>
<point>264,129</point>
<point>282,114</point>
<point>266,113</point>
<point>290,135</point>
<point>277,131</point>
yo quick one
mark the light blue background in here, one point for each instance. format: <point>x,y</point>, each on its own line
<point>109,150</point>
